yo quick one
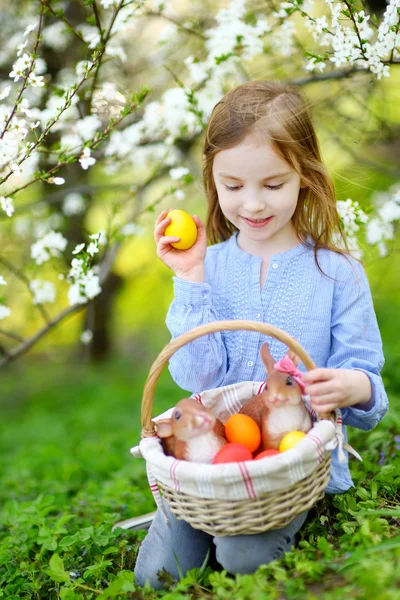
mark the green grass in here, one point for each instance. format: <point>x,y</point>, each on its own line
<point>66,476</point>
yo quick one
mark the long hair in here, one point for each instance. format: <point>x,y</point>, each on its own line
<point>280,113</point>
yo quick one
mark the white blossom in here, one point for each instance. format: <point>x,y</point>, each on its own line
<point>55,36</point>
<point>21,47</point>
<point>86,336</point>
<point>108,3</point>
<point>20,66</point>
<point>130,229</point>
<point>87,127</point>
<point>390,211</point>
<point>7,205</point>
<point>52,244</point>
<point>43,291</point>
<point>84,288</point>
<point>377,230</point>
<point>4,311</point>
<point>36,80</point>
<point>56,180</point>
<point>179,195</point>
<point>100,236</point>
<point>74,204</point>
<point>29,28</point>
<point>86,160</point>
<point>2,281</point>
<point>178,173</point>
<point>92,248</point>
<point>78,248</point>
<point>5,93</point>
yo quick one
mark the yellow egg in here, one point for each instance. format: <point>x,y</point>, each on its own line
<point>182,226</point>
<point>290,440</point>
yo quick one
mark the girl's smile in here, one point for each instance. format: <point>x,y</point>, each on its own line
<point>257,222</point>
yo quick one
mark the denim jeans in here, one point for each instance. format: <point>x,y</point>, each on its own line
<point>236,554</point>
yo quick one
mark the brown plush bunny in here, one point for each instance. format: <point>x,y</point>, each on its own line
<point>192,433</point>
<point>279,409</point>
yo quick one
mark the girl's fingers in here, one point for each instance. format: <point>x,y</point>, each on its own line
<point>320,374</point>
<point>161,227</point>
<point>324,408</point>
<point>167,240</point>
<point>319,389</point>
<point>161,217</point>
<point>201,228</point>
<point>322,401</point>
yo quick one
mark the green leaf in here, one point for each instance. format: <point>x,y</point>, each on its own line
<point>57,571</point>
<point>122,583</point>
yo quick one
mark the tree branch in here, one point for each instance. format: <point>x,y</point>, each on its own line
<point>18,273</point>
<point>13,336</point>
<point>26,78</point>
<point>28,343</point>
<point>63,18</point>
<point>97,17</point>
<point>152,13</point>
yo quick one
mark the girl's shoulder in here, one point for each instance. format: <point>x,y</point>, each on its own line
<point>341,267</point>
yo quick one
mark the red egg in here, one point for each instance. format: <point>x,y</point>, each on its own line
<point>270,452</point>
<point>232,453</point>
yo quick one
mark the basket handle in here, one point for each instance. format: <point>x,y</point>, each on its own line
<point>162,359</point>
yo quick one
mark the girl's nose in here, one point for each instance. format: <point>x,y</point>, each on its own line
<point>254,202</point>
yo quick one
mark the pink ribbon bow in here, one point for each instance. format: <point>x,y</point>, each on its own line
<point>286,365</point>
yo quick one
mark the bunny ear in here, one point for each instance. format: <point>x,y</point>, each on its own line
<point>163,428</point>
<point>293,357</point>
<point>267,357</point>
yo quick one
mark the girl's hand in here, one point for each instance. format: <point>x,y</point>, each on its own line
<point>336,388</point>
<point>186,264</point>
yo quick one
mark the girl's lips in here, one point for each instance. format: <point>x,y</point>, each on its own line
<point>257,224</point>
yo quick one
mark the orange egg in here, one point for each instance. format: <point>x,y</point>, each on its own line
<point>242,429</point>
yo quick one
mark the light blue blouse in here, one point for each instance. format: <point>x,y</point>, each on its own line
<point>332,316</point>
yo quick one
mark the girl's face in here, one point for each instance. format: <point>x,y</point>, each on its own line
<point>258,193</point>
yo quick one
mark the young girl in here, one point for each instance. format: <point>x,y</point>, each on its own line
<point>277,256</point>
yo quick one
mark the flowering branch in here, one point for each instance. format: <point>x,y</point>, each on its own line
<point>18,273</point>
<point>26,78</point>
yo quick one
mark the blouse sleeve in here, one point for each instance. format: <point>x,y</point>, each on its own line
<point>201,364</point>
<point>356,344</point>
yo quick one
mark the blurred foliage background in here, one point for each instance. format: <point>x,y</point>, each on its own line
<point>68,411</point>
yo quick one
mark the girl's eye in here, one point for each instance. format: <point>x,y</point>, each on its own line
<point>177,415</point>
<point>289,381</point>
<point>269,187</point>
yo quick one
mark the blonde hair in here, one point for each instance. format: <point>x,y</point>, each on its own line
<point>281,113</point>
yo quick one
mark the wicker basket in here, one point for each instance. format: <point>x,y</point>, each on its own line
<point>218,512</point>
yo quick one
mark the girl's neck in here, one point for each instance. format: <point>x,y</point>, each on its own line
<point>283,240</point>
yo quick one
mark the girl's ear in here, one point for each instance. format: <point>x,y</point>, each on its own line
<point>293,357</point>
<point>267,357</point>
<point>163,428</point>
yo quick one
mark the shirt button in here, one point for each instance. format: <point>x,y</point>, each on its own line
<point>258,315</point>
<point>250,363</point>
<point>275,265</point>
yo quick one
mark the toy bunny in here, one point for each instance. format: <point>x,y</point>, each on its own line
<point>192,433</point>
<point>279,409</point>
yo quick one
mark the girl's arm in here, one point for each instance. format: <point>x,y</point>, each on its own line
<point>203,363</point>
<point>356,354</point>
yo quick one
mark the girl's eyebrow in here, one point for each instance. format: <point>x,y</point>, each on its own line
<point>265,179</point>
